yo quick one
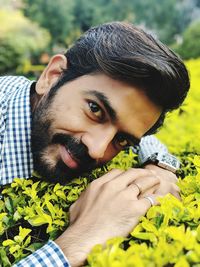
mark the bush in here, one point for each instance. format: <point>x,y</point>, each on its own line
<point>190,48</point>
<point>32,211</point>
<point>20,39</point>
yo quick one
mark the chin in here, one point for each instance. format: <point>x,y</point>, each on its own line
<point>57,173</point>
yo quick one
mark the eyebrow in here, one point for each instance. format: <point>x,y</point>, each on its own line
<point>112,113</point>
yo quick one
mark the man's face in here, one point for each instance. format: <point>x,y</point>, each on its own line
<point>86,123</point>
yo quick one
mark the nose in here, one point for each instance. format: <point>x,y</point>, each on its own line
<point>98,140</point>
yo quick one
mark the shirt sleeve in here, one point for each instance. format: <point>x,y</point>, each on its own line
<point>148,146</point>
<point>50,255</point>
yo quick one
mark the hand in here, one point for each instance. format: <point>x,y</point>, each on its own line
<point>167,180</point>
<point>109,207</point>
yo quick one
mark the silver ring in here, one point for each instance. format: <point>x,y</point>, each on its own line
<point>150,200</point>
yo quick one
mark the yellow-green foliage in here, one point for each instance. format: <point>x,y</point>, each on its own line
<point>182,128</point>
<point>33,211</point>
<point>169,235</point>
<point>38,208</point>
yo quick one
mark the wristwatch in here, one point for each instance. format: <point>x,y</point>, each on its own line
<point>164,160</point>
<point>151,150</point>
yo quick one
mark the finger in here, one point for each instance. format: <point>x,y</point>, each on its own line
<point>177,195</point>
<point>134,190</point>
<point>162,173</point>
<point>147,183</point>
<point>126,178</point>
<point>142,184</point>
<point>148,201</point>
<point>149,191</point>
<point>168,188</point>
<point>143,204</point>
<point>176,188</point>
<point>175,191</point>
<point>108,177</point>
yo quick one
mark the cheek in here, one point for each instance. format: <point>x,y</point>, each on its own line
<point>69,114</point>
<point>69,119</point>
<point>73,126</point>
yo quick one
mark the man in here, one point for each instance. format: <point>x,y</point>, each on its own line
<point>110,89</point>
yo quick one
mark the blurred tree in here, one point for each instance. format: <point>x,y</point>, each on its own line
<point>67,19</point>
<point>89,13</point>
<point>84,12</point>
<point>167,18</point>
<point>190,47</point>
<point>20,39</point>
<point>197,3</point>
<point>56,16</point>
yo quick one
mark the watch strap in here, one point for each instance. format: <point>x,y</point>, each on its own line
<point>151,150</point>
<point>148,146</point>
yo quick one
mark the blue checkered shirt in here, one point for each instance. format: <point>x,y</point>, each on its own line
<point>15,129</point>
<point>16,157</point>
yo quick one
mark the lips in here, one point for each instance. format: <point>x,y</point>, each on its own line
<point>67,158</point>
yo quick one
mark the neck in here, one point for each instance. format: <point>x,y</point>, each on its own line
<point>34,98</point>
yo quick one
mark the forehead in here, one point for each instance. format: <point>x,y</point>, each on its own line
<point>135,112</point>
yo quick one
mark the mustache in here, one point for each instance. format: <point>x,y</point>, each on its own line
<point>77,149</point>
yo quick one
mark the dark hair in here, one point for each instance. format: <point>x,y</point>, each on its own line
<point>126,53</point>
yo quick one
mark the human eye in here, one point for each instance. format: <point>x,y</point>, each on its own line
<point>122,140</point>
<point>96,110</point>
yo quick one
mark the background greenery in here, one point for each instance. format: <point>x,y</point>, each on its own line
<point>31,31</point>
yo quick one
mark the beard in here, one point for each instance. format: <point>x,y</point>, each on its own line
<point>42,139</point>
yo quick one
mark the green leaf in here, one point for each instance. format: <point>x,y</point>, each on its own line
<point>23,232</point>
<point>14,248</point>
<point>34,246</point>
<point>38,220</point>
<point>8,242</point>
<point>9,204</point>
<point>4,259</point>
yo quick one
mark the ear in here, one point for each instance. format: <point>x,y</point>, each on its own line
<point>51,74</point>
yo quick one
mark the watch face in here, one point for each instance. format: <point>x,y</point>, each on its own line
<point>169,162</point>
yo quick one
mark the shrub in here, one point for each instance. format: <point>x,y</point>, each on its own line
<point>19,39</point>
<point>32,211</point>
<point>190,48</point>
